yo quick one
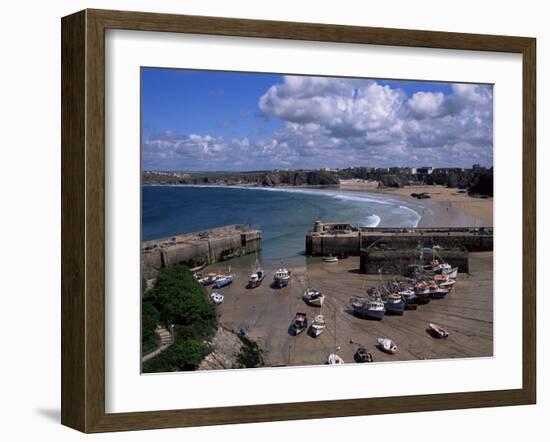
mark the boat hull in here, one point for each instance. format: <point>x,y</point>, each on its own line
<point>316,302</point>
<point>222,283</point>
<point>374,314</point>
<point>395,308</point>
<point>422,299</point>
<point>280,283</point>
<point>438,294</point>
<point>315,331</point>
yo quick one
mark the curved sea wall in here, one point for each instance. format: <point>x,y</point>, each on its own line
<point>204,247</point>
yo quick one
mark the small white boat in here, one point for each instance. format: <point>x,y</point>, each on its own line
<point>314,297</point>
<point>330,259</point>
<point>207,279</point>
<point>216,297</point>
<point>334,359</point>
<point>437,331</point>
<point>256,277</point>
<point>387,345</point>
<point>317,326</point>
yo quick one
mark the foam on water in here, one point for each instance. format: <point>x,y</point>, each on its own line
<point>372,221</point>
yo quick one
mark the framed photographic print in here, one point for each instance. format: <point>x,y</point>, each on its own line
<point>269,220</point>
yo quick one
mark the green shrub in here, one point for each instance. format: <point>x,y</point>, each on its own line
<point>179,300</point>
<point>150,317</point>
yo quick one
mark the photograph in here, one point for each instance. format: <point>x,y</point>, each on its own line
<point>300,220</point>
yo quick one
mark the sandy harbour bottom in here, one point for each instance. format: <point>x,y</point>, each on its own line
<point>266,313</point>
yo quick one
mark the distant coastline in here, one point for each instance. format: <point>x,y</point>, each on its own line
<point>475,181</point>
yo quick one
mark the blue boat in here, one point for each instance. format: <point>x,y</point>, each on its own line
<point>408,296</point>
<point>395,304</point>
<point>223,281</point>
<point>281,278</point>
<point>371,307</point>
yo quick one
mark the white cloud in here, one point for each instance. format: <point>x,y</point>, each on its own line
<point>338,122</point>
<point>427,104</point>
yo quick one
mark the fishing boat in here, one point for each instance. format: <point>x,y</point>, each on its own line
<point>216,297</point>
<point>222,281</point>
<point>395,304</point>
<point>437,331</point>
<point>422,293</point>
<point>437,292</point>
<point>281,278</point>
<point>443,268</point>
<point>256,277</point>
<point>314,297</point>
<point>386,345</point>
<point>371,307</point>
<point>330,259</point>
<point>317,326</point>
<point>299,323</point>
<point>334,359</point>
<point>408,296</point>
<point>362,355</point>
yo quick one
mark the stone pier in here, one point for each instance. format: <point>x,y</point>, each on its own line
<point>192,249</point>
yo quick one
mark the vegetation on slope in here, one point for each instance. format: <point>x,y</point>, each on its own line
<point>178,299</point>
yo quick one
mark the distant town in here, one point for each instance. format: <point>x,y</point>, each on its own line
<point>477,180</point>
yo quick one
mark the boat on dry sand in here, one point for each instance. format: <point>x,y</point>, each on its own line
<point>317,326</point>
<point>362,355</point>
<point>437,331</point>
<point>314,297</point>
<point>387,346</point>
<point>334,359</point>
<point>299,323</point>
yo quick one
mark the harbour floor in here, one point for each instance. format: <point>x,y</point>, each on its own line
<point>266,313</point>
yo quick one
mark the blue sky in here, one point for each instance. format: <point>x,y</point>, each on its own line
<point>210,120</point>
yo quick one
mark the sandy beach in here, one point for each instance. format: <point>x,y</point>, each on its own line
<point>266,313</point>
<point>450,199</point>
<point>480,208</point>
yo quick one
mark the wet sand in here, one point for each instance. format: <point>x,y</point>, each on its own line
<point>467,313</point>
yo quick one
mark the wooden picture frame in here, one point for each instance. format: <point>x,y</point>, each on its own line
<point>83,219</point>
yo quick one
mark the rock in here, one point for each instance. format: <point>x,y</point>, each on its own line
<point>227,347</point>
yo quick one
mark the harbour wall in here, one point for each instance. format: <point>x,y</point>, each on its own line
<point>340,238</point>
<point>397,261</point>
<point>193,249</point>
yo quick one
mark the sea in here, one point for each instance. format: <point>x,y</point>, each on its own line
<point>283,214</point>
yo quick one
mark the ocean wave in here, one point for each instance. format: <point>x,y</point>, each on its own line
<point>372,221</point>
<point>416,215</point>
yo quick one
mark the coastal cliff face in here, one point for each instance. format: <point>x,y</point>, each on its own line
<point>268,178</point>
<point>477,181</point>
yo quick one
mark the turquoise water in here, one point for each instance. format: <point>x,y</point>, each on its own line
<point>283,215</point>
